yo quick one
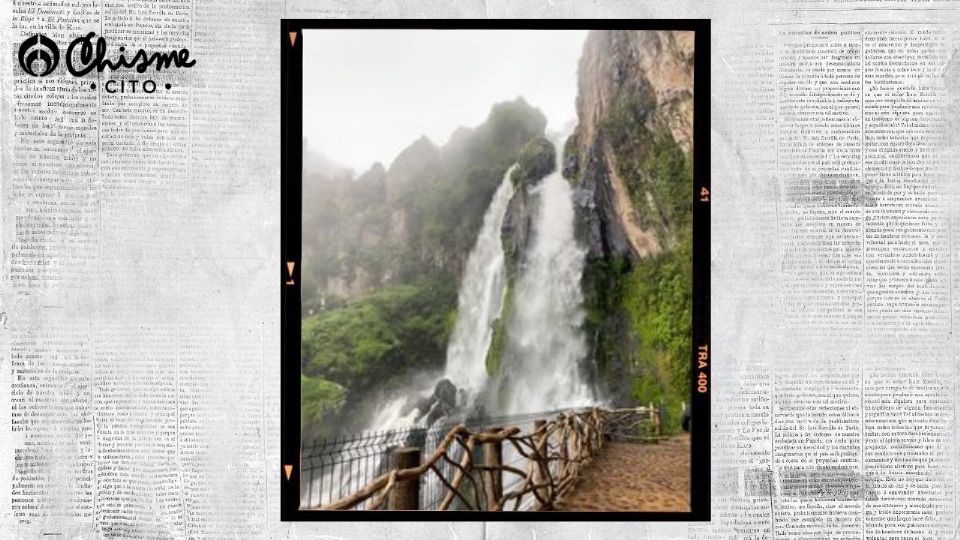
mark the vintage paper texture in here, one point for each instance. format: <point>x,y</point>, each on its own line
<point>139,315</point>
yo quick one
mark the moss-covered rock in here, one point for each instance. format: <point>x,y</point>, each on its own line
<point>499,337</point>
<point>537,159</point>
<point>639,317</point>
<point>657,172</point>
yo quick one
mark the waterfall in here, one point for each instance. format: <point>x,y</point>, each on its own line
<point>479,303</point>
<point>545,340</point>
<point>545,345</point>
<point>480,299</point>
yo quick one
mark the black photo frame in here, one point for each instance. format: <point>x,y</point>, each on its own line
<point>291,40</point>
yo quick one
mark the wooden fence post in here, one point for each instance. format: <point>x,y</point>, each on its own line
<point>405,494</point>
<point>660,418</point>
<point>655,416</point>
<point>598,425</point>
<point>564,442</point>
<point>539,474</point>
<point>493,478</point>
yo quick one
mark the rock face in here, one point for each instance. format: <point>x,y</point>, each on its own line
<point>537,160</point>
<point>635,87</point>
<point>660,61</point>
<point>445,404</point>
<point>629,160</point>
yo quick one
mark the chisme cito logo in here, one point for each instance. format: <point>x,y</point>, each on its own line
<point>39,56</point>
<point>38,52</point>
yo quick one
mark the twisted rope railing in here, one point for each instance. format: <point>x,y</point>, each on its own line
<point>469,463</point>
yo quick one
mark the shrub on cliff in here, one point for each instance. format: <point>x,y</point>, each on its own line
<point>379,337</point>
<point>319,400</point>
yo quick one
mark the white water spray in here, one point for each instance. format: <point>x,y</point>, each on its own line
<point>479,303</point>
<point>480,300</point>
<point>545,343</point>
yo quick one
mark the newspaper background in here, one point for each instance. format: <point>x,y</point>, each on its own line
<point>139,339</point>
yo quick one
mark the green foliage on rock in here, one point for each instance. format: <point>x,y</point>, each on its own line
<point>639,320</point>
<point>537,159</point>
<point>639,311</point>
<point>511,124</point>
<point>658,298</point>
<point>379,337</point>
<point>499,338</point>
<point>649,160</point>
<point>319,400</point>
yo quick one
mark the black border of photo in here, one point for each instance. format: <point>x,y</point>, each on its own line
<point>291,78</point>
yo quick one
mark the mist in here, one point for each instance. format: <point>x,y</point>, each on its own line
<point>368,94</point>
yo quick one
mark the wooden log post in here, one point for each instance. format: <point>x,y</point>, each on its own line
<point>598,430</point>
<point>564,442</point>
<point>493,478</point>
<point>405,494</point>
<point>660,418</point>
<point>655,416</point>
<point>539,473</point>
<point>587,436</point>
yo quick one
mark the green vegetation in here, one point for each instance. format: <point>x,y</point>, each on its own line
<point>537,159</point>
<point>657,297</point>
<point>639,316</point>
<point>319,400</point>
<point>380,337</point>
<point>499,337</point>
<point>649,161</point>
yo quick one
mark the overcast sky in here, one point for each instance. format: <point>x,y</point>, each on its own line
<point>367,94</point>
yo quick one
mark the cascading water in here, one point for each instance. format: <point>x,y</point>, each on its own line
<point>541,370</point>
<point>480,300</point>
<point>545,341</point>
<point>479,303</point>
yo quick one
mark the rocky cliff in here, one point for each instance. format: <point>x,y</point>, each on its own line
<point>629,159</point>
<point>635,114</point>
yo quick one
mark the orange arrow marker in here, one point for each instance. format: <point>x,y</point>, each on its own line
<point>290,267</point>
<point>289,470</point>
<point>293,39</point>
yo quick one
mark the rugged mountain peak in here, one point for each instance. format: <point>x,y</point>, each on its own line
<point>419,161</point>
<point>375,172</point>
